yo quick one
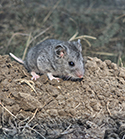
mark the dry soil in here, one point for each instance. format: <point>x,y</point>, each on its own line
<point>93,108</point>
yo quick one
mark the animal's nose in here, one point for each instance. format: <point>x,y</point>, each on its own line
<point>80,76</point>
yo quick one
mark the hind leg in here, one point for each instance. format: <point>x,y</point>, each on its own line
<point>34,75</point>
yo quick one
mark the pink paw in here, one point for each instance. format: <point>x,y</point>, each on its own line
<point>51,77</point>
<point>34,76</point>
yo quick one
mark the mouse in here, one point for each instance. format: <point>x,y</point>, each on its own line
<point>55,58</point>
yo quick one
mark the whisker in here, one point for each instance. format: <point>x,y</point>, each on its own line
<point>68,78</point>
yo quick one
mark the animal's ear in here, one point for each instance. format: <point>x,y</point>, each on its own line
<point>79,45</point>
<point>60,51</point>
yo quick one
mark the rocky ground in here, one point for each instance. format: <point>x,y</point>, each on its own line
<point>93,108</point>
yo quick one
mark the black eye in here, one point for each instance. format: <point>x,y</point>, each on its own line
<point>71,63</point>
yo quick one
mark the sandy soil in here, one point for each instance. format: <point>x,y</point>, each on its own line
<point>93,108</point>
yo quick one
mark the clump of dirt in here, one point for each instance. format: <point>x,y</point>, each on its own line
<point>88,109</point>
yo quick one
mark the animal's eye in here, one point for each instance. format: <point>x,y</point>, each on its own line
<point>71,63</point>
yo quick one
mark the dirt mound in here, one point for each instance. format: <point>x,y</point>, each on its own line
<point>91,109</point>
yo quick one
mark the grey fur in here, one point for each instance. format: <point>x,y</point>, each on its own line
<point>53,56</point>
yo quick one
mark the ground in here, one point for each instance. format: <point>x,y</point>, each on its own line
<point>93,108</point>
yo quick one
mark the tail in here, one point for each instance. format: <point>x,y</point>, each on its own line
<point>16,58</point>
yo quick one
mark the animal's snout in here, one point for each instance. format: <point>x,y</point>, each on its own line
<point>80,74</point>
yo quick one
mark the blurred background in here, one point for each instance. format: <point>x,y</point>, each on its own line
<point>25,23</point>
